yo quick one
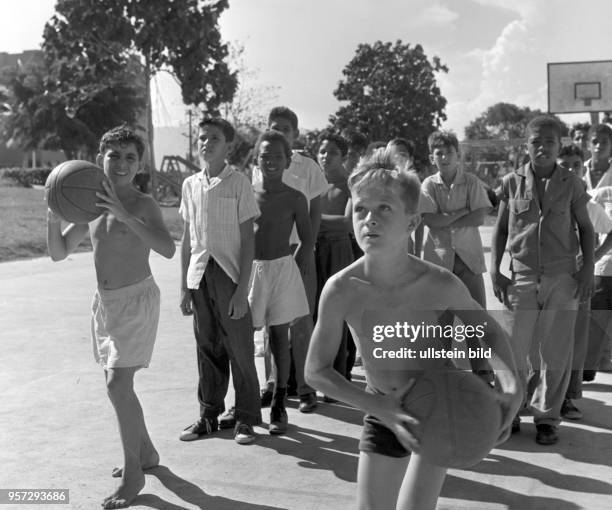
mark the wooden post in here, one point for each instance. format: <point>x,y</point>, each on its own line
<point>149,120</point>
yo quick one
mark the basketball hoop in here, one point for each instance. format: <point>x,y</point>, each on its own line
<point>587,91</point>
<point>577,87</point>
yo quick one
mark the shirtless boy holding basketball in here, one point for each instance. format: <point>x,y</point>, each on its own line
<point>387,285</point>
<point>125,310</point>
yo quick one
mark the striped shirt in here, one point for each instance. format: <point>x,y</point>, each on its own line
<point>441,245</point>
<point>215,207</point>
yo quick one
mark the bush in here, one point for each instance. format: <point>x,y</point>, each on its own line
<point>26,177</point>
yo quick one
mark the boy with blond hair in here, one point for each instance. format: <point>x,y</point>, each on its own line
<point>383,286</point>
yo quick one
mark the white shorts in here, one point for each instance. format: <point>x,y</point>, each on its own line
<point>124,324</point>
<point>276,292</point>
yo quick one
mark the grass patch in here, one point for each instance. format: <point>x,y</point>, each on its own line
<point>23,224</point>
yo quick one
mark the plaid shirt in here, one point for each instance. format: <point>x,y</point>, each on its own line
<point>466,191</point>
<point>214,208</point>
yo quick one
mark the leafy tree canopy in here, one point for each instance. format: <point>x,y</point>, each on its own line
<point>91,39</point>
<point>39,116</point>
<point>392,92</point>
<point>502,121</point>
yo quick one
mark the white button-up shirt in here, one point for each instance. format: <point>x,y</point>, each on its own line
<point>215,207</point>
<point>602,197</point>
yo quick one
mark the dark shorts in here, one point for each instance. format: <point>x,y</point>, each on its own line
<point>376,438</point>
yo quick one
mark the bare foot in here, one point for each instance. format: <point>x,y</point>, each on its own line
<point>128,489</point>
<point>148,461</point>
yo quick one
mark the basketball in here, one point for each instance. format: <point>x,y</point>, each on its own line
<point>460,418</point>
<point>71,190</point>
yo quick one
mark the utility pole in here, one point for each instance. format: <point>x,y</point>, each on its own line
<point>189,114</point>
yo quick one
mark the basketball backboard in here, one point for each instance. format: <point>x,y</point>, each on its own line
<point>577,87</point>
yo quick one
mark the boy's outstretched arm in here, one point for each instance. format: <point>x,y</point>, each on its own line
<point>498,246</point>
<point>304,230</point>
<point>61,244</point>
<point>502,357</point>
<point>320,373</point>
<point>148,224</point>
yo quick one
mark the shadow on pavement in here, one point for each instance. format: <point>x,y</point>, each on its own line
<point>192,494</point>
<point>318,450</point>
<point>505,466</point>
<point>576,444</point>
<point>469,490</point>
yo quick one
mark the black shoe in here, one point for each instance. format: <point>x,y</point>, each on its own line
<point>516,424</point>
<point>202,427</point>
<point>329,400</point>
<point>589,375</point>
<point>243,433</point>
<point>547,434</point>
<point>278,421</point>
<point>266,398</point>
<point>569,411</point>
<point>228,419</point>
<point>308,403</point>
<point>488,376</point>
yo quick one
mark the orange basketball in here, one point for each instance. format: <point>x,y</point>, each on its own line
<point>71,190</point>
<point>460,418</point>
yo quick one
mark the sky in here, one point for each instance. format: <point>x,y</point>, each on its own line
<point>496,50</point>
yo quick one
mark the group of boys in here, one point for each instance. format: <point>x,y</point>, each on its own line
<point>303,246</point>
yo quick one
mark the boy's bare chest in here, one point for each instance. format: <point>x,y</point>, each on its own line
<point>415,301</point>
<point>108,229</point>
<point>275,208</point>
<point>333,201</point>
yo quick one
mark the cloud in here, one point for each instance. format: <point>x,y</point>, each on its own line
<point>514,68</point>
<point>435,15</point>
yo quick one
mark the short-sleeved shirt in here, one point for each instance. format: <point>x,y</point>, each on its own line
<point>303,175</point>
<point>606,178</point>
<point>441,245</point>
<point>215,207</point>
<point>600,210</point>
<point>542,237</point>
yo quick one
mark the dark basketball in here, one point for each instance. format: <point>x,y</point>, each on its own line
<point>460,418</point>
<point>71,190</point>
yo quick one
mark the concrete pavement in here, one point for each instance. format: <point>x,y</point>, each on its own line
<point>57,428</point>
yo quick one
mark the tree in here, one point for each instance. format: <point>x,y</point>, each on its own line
<point>251,102</point>
<point>504,125</point>
<point>391,92</point>
<point>502,121</point>
<point>39,117</point>
<point>93,38</point>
